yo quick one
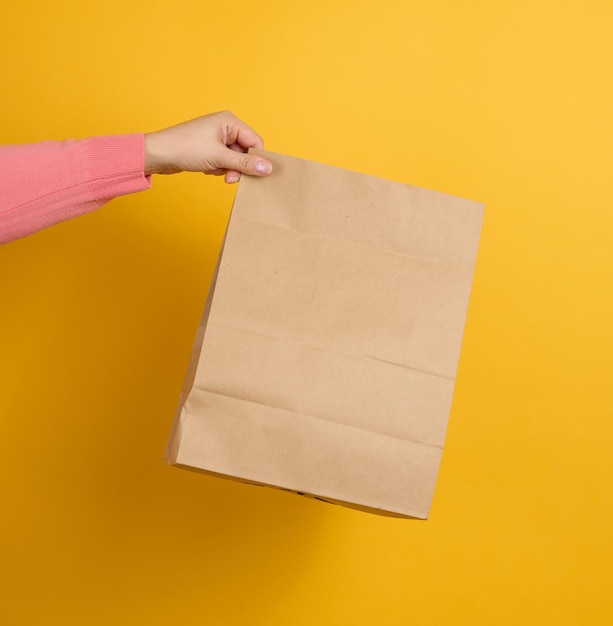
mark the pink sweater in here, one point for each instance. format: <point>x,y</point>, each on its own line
<point>45,183</point>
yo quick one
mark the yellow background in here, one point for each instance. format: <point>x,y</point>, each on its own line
<point>505,102</point>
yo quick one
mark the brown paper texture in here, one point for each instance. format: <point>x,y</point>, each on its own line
<point>327,353</point>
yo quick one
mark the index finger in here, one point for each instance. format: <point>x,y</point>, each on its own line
<point>244,136</point>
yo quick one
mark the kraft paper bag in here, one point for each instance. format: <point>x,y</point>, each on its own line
<point>327,353</point>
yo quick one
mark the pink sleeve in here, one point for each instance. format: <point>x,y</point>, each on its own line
<point>45,183</point>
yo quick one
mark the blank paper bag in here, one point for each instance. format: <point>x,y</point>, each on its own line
<point>327,353</point>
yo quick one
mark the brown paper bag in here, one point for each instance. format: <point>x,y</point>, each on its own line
<point>327,353</point>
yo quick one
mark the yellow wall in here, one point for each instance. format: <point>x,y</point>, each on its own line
<point>506,102</point>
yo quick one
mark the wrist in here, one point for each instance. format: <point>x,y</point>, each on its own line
<point>153,160</point>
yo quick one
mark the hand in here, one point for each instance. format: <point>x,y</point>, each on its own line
<point>213,144</point>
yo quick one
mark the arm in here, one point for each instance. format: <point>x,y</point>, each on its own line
<point>46,183</point>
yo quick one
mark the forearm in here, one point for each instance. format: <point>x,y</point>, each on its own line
<point>46,183</point>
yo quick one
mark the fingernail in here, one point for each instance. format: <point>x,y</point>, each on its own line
<point>263,167</point>
<point>232,178</point>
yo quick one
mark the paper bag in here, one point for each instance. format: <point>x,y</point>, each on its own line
<point>327,353</point>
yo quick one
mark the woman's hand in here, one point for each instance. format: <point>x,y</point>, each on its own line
<point>213,144</point>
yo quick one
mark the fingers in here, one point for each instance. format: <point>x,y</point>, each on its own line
<point>240,134</point>
<point>237,147</point>
<point>248,138</point>
<point>232,177</point>
<point>238,137</point>
<point>243,163</point>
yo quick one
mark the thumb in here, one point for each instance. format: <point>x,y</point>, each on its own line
<point>249,164</point>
